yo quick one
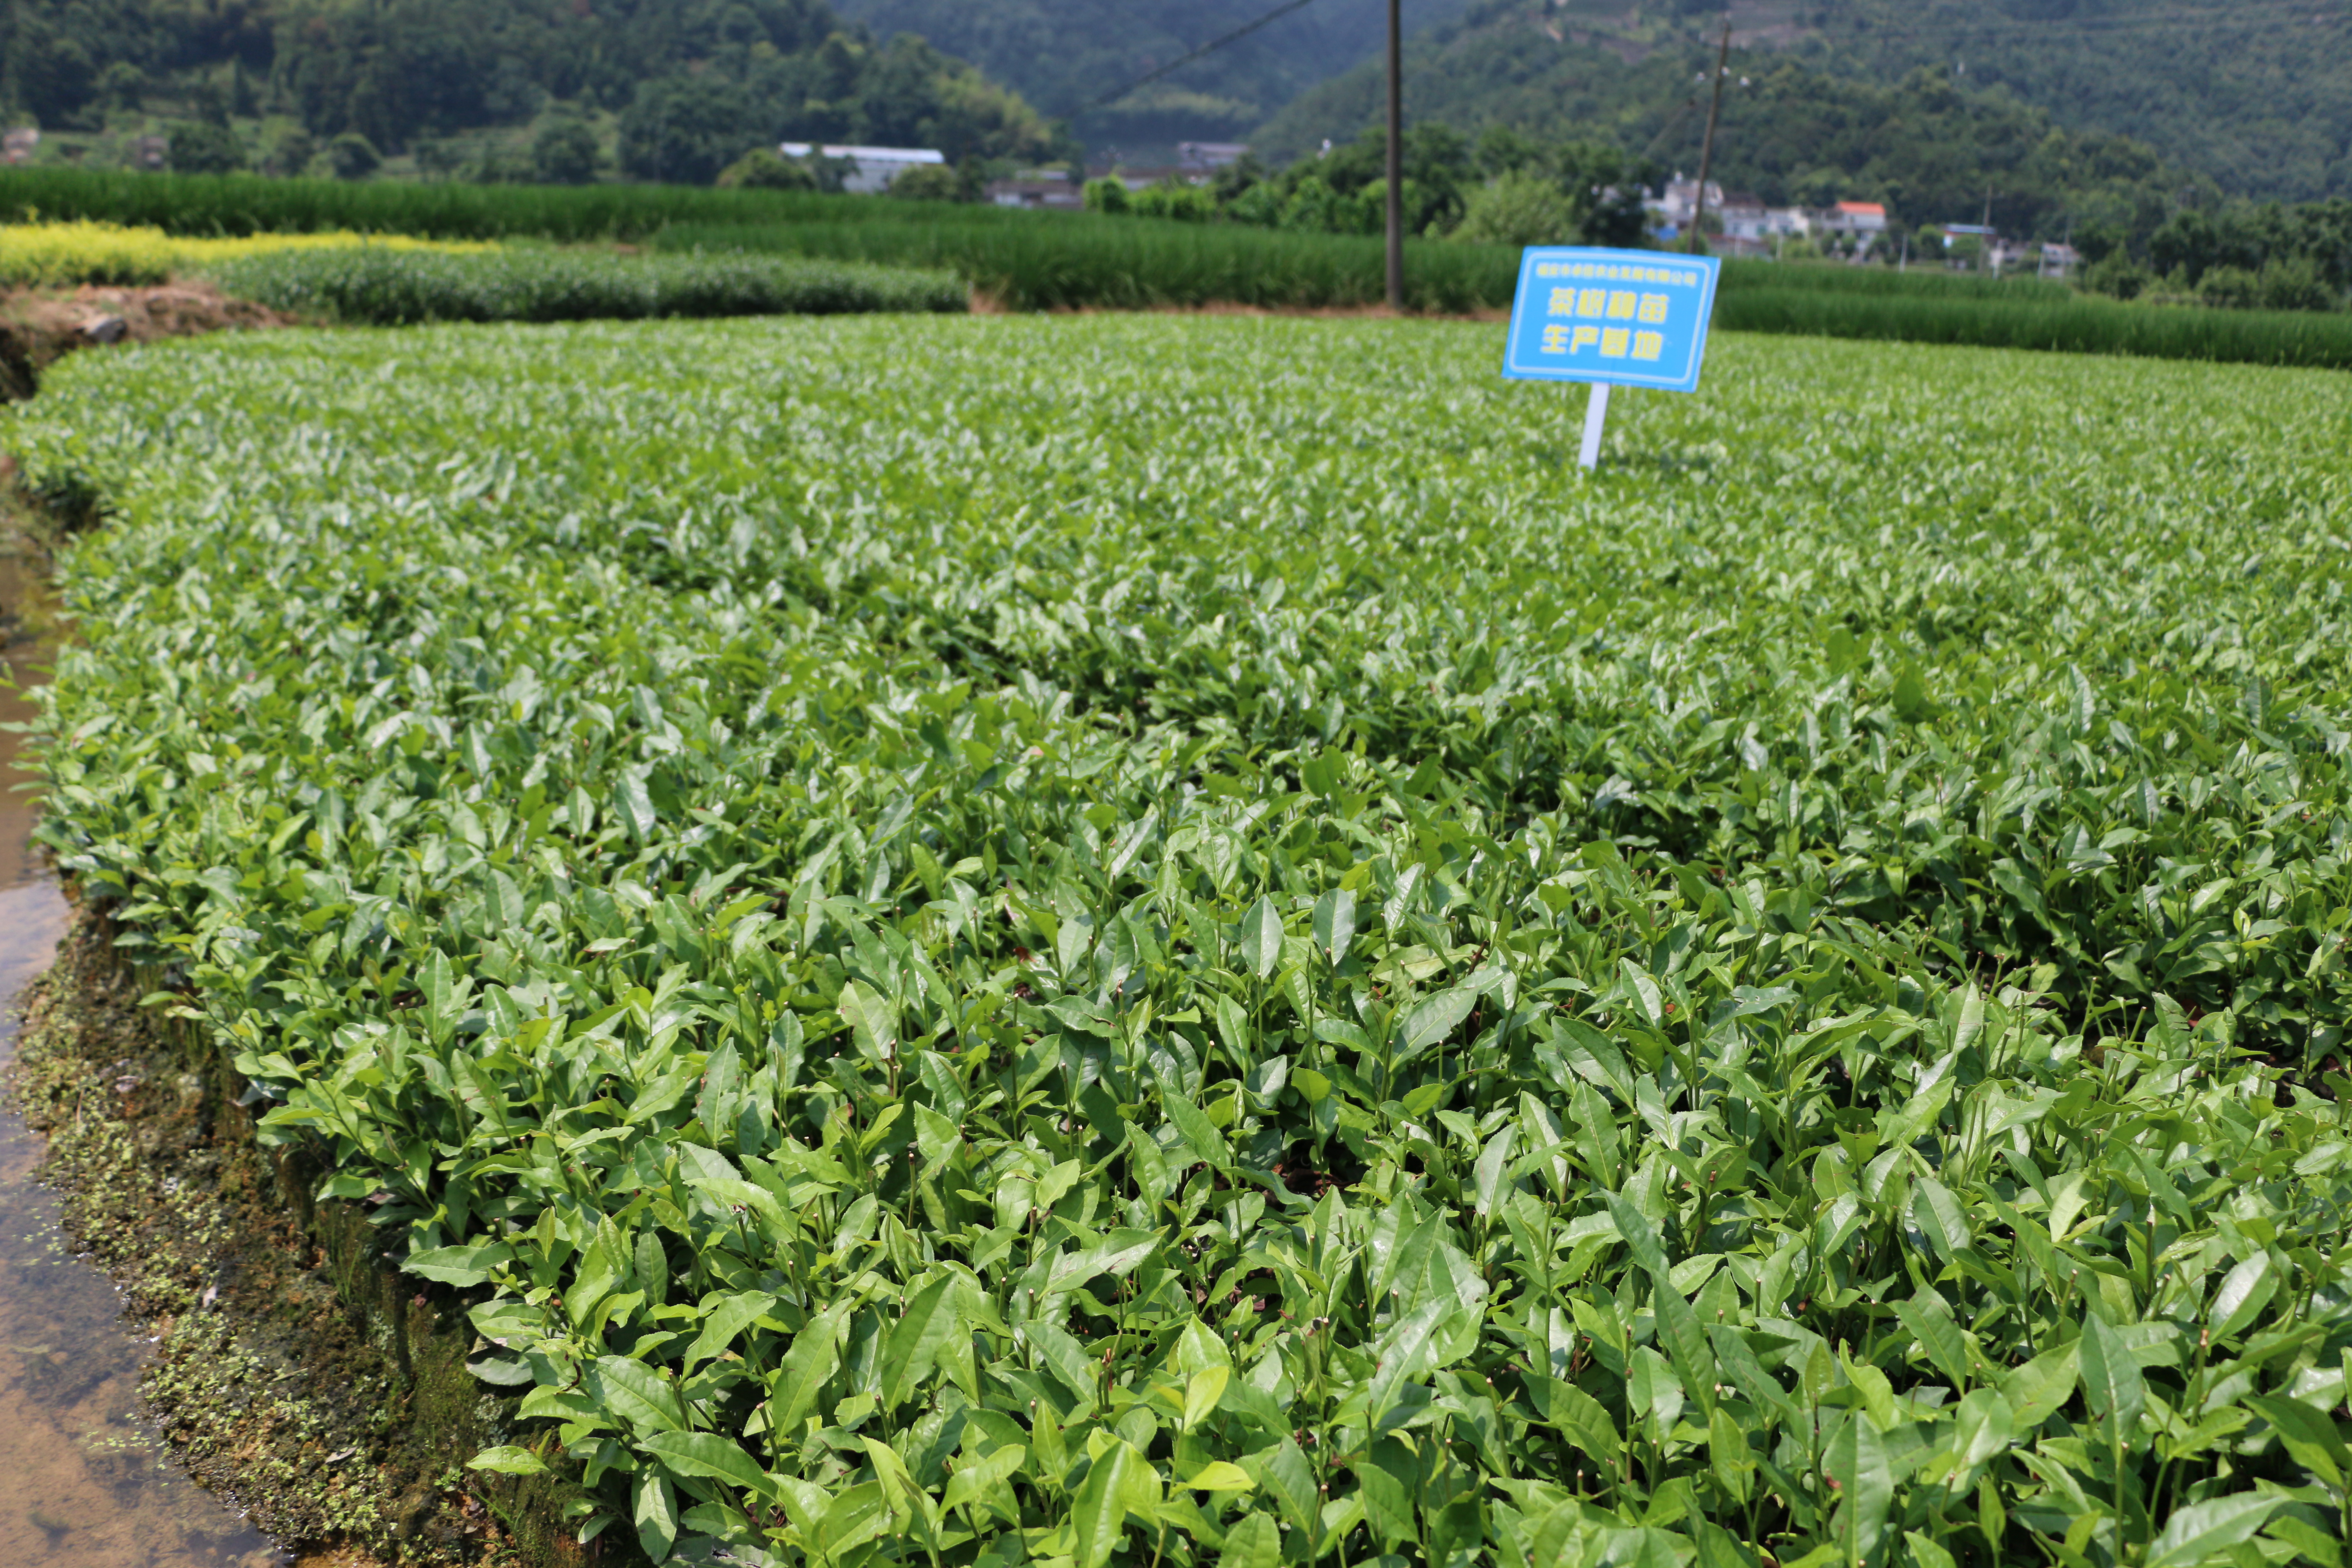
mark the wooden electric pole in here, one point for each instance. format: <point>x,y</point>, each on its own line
<point>1396,160</point>
<point>1706,149</point>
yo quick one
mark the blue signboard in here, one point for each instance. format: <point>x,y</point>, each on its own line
<point>1631,318</point>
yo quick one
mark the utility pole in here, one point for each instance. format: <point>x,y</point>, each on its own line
<point>1396,160</point>
<point>1706,149</point>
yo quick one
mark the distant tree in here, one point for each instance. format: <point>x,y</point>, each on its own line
<point>197,148</point>
<point>437,159</point>
<point>208,103</point>
<point>684,129</point>
<point>765,169</point>
<point>121,87</point>
<point>352,156</point>
<point>1176,199</point>
<point>1108,195</point>
<point>564,152</point>
<point>1503,150</point>
<point>1237,179</point>
<point>930,183</point>
<point>2117,275</point>
<point>2100,240</point>
<point>1816,188</point>
<point>1605,192</point>
<point>1317,207</point>
<point>1437,171</point>
<point>1517,208</point>
<point>286,147</point>
<point>2230,288</point>
<point>2293,284</point>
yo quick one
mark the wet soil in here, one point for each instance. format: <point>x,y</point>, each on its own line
<point>181,1385</point>
<point>265,1386</point>
<point>90,1480</point>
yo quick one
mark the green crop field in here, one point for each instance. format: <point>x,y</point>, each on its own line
<point>1109,939</point>
<point>1045,260</point>
<point>378,286</point>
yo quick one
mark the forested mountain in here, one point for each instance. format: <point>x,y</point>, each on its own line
<point>1930,149</point>
<point>694,72</point>
<point>1064,55</point>
<point>2255,95</point>
<point>1926,102</point>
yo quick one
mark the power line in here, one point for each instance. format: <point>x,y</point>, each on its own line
<point>1210,48</point>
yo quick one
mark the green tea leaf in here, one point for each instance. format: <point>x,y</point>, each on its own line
<point>2203,1531</point>
<point>913,1348</point>
<point>707,1454</point>
<point>2111,1377</point>
<point>509,1461</point>
<point>1262,938</point>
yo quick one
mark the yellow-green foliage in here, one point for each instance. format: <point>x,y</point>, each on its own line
<point>55,254</point>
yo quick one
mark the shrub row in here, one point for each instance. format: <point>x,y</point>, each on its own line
<point>1104,941</point>
<point>1741,274</point>
<point>232,204</point>
<point>379,286</point>
<point>1063,262</point>
<point>62,255</point>
<point>1056,260</point>
<point>2081,324</point>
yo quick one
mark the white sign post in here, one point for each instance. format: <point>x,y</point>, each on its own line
<point>1596,416</point>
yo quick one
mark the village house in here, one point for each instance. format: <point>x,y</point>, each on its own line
<point>1039,188</point>
<point>876,166</point>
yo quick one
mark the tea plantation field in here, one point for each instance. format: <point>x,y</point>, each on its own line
<point>1142,940</point>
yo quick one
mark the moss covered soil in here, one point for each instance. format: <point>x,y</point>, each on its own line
<point>270,1385</point>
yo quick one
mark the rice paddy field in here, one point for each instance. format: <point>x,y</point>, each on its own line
<point>1127,939</point>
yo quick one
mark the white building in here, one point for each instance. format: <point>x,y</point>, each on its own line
<point>1209,156</point>
<point>1746,218</point>
<point>1855,220</point>
<point>1674,206</point>
<point>876,166</point>
<point>2057,261</point>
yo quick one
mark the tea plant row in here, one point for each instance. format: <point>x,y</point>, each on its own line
<point>379,286</point>
<point>1090,939</point>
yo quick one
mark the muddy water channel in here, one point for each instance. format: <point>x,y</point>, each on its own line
<point>83,1480</point>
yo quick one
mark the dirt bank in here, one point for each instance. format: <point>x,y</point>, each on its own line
<point>294,1375</point>
<point>39,326</point>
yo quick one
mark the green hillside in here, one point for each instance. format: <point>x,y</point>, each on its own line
<point>2255,94</point>
<point>1933,151</point>
<point>2254,97</point>
<point>689,82</point>
<point>1064,55</point>
<point>1926,102</point>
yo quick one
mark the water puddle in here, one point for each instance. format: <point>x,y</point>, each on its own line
<point>89,1483</point>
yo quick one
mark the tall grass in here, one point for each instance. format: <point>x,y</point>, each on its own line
<point>1030,259</point>
<point>2076,325</point>
<point>1924,283</point>
<point>1033,260</point>
<point>1065,261</point>
<point>377,287</point>
<point>250,204</point>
